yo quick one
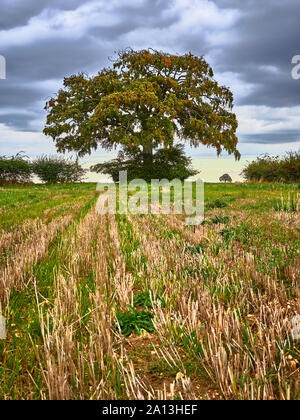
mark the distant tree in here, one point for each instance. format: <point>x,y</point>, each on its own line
<point>166,164</point>
<point>141,104</point>
<point>14,169</point>
<point>56,169</point>
<point>225,178</point>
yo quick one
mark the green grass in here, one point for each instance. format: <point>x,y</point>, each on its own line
<point>18,204</point>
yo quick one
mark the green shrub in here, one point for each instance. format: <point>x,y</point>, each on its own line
<point>164,164</point>
<point>56,170</point>
<point>14,170</point>
<point>274,169</point>
<point>135,321</point>
<point>217,204</point>
<point>240,233</point>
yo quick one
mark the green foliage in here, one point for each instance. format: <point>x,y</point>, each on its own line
<point>14,170</point>
<point>278,257</point>
<point>220,220</point>
<point>217,204</point>
<point>274,169</point>
<point>135,321</point>
<point>165,164</point>
<point>240,233</point>
<point>289,205</point>
<point>145,299</point>
<point>57,170</point>
<point>228,234</point>
<point>146,99</point>
<point>197,249</point>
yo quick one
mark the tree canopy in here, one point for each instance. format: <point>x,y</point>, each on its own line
<point>144,101</point>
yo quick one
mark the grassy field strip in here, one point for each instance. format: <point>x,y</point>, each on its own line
<point>269,294</point>
<point>121,276</point>
<point>45,210</point>
<point>15,271</point>
<point>18,360</point>
<point>275,250</point>
<point>142,368</point>
<point>157,363</point>
<point>126,271</point>
<point>10,238</point>
<point>241,334</point>
<point>64,343</point>
<point>21,233</point>
<point>24,246</point>
<point>77,357</point>
<point>98,366</point>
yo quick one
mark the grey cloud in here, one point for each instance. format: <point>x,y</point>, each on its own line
<point>279,137</point>
<point>267,34</point>
<point>250,5</point>
<point>18,12</point>
<point>54,59</point>
<point>28,67</point>
<point>148,14</point>
<point>18,96</point>
<point>18,121</point>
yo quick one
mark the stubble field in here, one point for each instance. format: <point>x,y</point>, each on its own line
<point>143,307</point>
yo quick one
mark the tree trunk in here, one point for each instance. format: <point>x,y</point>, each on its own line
<point>148,151</point>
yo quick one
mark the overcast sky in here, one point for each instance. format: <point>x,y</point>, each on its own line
<point>249,43</point>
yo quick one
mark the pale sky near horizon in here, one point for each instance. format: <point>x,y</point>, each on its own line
<point>249,43</point>
<point>210,168</point>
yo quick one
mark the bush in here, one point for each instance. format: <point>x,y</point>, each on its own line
<point>135,321</point>
<point>274,169</point>
<point>14,170</point>
<point>56,169</point>
<point>164,164</point>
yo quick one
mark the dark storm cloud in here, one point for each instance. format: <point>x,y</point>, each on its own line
<point>280,137</point>
<point>54,59</point>
<point>18,12</point>
<point>148,14</point>
<point>19,122</point>
<point>42,59</point>
<point>266,39</point>
<point>20,105</point>
<point>19,96</point>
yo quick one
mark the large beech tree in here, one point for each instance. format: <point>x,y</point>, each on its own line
<point>146,100</point>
